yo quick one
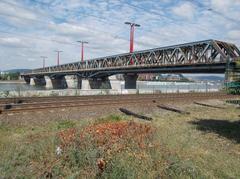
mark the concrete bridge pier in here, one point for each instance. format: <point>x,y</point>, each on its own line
<point>85,85</point>
<point>48,82</point>
<point>74,81</point>
<point>100,83</point>
<point>38,81</point>
<point>32,82</point>
<point>115,83</point>
<point>79,82</point>
<point>57,82</point>
<point>71,81</point>
<point>130,80</point>
<point>27,79</point>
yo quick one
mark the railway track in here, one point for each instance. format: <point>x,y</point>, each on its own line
<point>19,100</point>
<point>43,103</point>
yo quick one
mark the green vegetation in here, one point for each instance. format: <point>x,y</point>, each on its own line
<point>10,76</point>
<point>233,87</point>
<point>65,124</point>
<point>54,94</point>
<point>205,144</point>
<point>4,94</point>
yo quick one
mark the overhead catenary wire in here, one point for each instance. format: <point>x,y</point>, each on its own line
<point>35,19</point>
<point>37,38</point>
<point>103,19</point>
<point>97,30</point>
<point>48,40</point>
<point>172,20</point>
<point>204,7</point>
<point>88,28</point>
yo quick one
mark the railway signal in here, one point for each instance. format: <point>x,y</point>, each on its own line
<point>82,49</point>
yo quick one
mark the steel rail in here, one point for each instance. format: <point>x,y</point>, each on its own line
<point>96,100</point>
<point>104,102</point>
<point>37,99</point>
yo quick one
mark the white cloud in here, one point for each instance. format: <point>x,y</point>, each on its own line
<point>185,10</point>
<point>31,59</point>
<point>224,5</point>
<point>68,29</point>
<point>13,42</point>
<point>234,34</point>
<point>11,9</point>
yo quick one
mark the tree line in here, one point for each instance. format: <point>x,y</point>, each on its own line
<point>10,76</point>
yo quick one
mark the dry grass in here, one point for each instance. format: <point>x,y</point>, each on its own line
<point>204,144</point>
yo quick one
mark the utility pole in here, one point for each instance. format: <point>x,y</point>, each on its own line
<point>43,58</point>
<point>58,56</point>
<point>82,49</point>
<point>132,28</point>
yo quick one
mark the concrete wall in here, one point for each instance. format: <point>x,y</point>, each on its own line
<point>78,92</point>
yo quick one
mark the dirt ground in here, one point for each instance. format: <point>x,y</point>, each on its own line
<point>93,112</point>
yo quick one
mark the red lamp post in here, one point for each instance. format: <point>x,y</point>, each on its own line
<point>82,49</point>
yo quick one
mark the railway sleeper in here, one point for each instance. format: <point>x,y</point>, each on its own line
<point>208,105</point>
<point>8,106</point>
<point>236,102</point>
<point>130,113</point>
<point>172,109</point>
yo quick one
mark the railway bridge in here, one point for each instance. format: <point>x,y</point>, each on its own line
<point>209,56</point>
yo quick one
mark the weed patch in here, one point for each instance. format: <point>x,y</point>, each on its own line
<point>65,124</point>
<point>116,147</point>
<point>110,118</point>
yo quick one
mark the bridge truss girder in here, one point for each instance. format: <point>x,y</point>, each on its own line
<point>203,53</point>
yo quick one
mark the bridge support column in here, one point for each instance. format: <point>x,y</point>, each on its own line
<point>32,82</point>
<point>130,81</point>
<point>100,83</point>
<point>79,82</point>
<point>70,80</point>
<point>57,82</point>
<point>232,77</point>
<point>115,83</point>
<point>74,81</point>
<point>38,81</point>
<point>85,85</point>
<point>27,79</point>
<point>48,82</point>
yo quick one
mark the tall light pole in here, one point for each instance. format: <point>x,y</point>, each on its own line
<point>132,28</point>
<point>58,56</point>
<point>44,59</point>
<point>82,49</point>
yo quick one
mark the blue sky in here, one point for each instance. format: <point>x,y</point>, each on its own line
<point>33,28</point>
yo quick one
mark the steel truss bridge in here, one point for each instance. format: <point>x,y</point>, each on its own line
<point>210,56</point>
